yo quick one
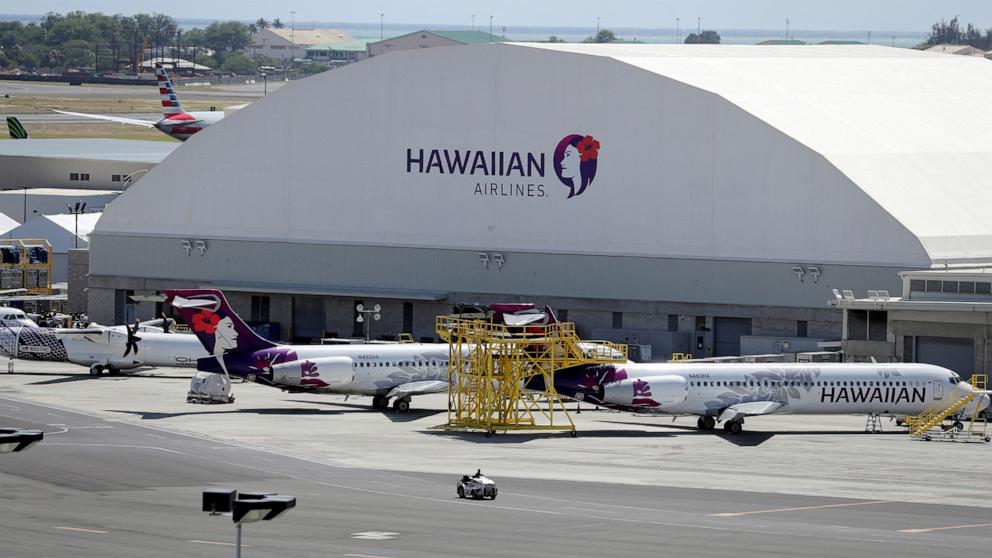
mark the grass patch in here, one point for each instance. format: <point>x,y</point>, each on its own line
<point>89,130</point>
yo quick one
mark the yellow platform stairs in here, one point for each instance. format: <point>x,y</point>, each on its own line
<point>490,365</point>
<point>930,424</point>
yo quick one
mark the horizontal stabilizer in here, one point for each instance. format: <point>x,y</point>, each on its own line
<point>749,409</point>
<point>418,388</point>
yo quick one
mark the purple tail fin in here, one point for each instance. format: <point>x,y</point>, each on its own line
<point>213,321</point>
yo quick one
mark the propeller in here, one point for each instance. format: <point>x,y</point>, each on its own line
<point>132,338</point>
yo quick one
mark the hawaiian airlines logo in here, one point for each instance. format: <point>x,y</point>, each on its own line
<point>575,161</point>
<point>504,173</point>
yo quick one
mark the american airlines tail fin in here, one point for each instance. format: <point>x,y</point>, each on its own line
<point>170,102</point>
<point>15,128</point>
<point>214,323</point>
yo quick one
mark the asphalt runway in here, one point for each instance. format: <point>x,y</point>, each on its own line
<point>98,487</point>
<point>63,89</point>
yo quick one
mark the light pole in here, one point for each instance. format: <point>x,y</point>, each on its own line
<point>246,507</point>
<point>490,29</point>
<point>597,25</point>
<point>473,22</point>
<point>76,210</point>
<point>292,31</point>
<point>265,84</point>
<point>869,37</point>
<point>678,30</point>
<point>786,30</point>
<point>699,26</point>
<point>366,317</point>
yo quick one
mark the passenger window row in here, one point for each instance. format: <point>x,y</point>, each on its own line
<point>380,364</point>
<point>776,383</point>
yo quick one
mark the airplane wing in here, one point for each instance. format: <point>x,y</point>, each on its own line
<point>119,119</point>
<point>418,388</point>
<point>79,331</point>
<point>180,302</point>
<point>750,409</point>
<point>237,107</point>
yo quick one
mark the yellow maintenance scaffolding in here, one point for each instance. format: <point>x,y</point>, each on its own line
<point>930,424</point>
<point>491,366</point>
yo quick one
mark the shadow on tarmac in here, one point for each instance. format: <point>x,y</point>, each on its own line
<point>394,416</point>
<point>524,437</point>
<point>153,415</point>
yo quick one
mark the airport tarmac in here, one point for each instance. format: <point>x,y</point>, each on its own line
<point>827,456</point>
<point>122,477</point>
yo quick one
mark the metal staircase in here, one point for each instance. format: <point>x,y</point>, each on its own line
<point>929,425</point>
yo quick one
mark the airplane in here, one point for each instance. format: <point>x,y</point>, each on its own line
<point>383,371</point>
<point>16,129</point>
<point>101,348</point>
<point>730,392</point>
<point>175,122</point>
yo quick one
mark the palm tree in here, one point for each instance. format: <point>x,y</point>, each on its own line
<point>277,24</point>
<point>261,23</point>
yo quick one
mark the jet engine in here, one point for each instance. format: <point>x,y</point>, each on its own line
<point>315,373</point>
<point>652,391</point>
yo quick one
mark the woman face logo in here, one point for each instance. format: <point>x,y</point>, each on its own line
<point>575,162</point>
<point>226,336</point>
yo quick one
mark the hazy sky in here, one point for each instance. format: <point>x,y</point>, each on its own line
<point>887,15</point>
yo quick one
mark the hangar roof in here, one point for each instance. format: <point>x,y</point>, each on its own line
<point>912,129</point>
<point>846,154</point>
<point>102,149</point>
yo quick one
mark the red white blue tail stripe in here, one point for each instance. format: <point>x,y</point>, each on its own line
<point>170,103</point>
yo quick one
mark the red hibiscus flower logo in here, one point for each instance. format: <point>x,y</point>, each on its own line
<point>205,321</point>
<point>588,148</point>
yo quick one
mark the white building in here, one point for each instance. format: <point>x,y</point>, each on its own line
<point>732,189</point>
<point>289,44</point>
<point>429,38</point>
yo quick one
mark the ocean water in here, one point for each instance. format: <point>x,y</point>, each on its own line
<point>371,31</point>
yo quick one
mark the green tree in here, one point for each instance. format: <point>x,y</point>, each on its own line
<point>604,36</point>
<point>554,39</point>
<point>226,38</point>
<point>277,24</point>
<point>238,64</point>
<point>704,38</point>
<point>262,23</point>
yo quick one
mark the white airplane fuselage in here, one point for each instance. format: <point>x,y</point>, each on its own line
<point>708,389</point>
<point>177,128</point>
<point>359,369</point>
<point>155,349</point>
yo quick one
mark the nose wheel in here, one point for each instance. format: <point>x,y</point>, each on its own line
<point>380,402</point>
<point>401,405</point>
<point>706,423</point>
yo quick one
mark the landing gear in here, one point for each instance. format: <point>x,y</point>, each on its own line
<point>734,426</point>
<point>380,402</point>
<point>706,423</point>
<point>401,405</point>
<point>96,370</point>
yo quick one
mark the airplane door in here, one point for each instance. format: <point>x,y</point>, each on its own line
<point>938,390</point>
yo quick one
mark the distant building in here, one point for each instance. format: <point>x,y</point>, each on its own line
<point>90,163</point>
<point>338,53</point>
<point>428,38</point>
<point>289,44</point>
<point>171,63</point>
<point>962,50</point>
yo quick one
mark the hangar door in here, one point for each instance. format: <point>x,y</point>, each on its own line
<point>727,335</point>
<point>308,318</point>
<point>954,353</point>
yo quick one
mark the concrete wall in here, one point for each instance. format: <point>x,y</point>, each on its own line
<point>78,275</point>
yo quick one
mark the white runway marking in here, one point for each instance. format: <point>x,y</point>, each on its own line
<point>218,543</point>
<point>588,510</point>
<point>81,530</point>
<point>366,556</point>
<point>375,535</point>
<point>128,446</point>
<point>931,529</point>
<point>780,510</point>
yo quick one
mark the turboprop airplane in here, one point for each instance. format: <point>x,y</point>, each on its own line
<point>102,349</point>
<point>729,392</point>
<point>389,371</point>
<point>175,122</point>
